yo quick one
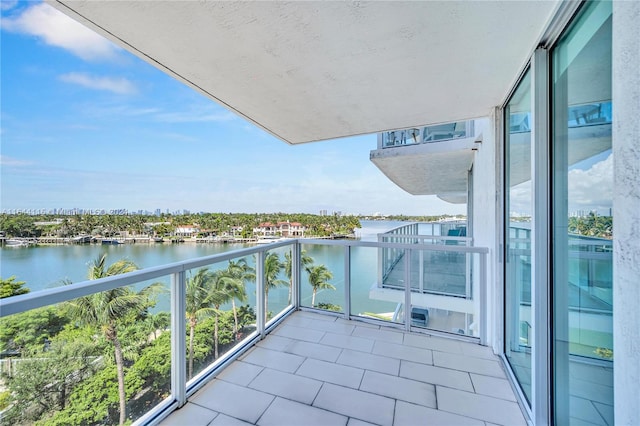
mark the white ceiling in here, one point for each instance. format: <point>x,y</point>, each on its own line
<point>307,71</point>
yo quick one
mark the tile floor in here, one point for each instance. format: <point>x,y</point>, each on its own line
<point>321,370</point>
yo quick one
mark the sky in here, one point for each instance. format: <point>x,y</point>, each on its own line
<point>86,124</point>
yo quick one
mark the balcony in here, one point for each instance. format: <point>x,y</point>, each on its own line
<point>432,160</point>
<point>296,363</point>
<point>317,369</point>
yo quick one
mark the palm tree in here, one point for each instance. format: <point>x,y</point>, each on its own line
<point>218,294</point>
<point>105,310</point>
<point>241,272</point>
<point>305,260</point>
<point>198,305</point>
<point>272,269</point>
<point>319,279</point>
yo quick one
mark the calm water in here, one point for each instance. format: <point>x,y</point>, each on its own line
<point>48,266</point>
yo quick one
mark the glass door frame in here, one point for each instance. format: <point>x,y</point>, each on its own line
<point>540,410</point>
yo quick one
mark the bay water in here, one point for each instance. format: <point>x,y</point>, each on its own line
<point>45,266</point>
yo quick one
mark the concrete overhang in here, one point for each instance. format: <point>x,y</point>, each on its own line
<point>308,71</point>
<point>436,168</point>
<point>582,143</point>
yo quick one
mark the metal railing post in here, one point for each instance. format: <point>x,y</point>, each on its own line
<point>296,271</point>
<point>178,340</point>
<point>261,309</point>
<point>407,289</point>
<point>347,282</point>
<point>483,298</point>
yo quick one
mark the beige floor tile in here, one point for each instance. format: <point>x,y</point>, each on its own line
<point>274,359</point>
<point>333,373</point>
<point>332,327</point>
<point>486,367</point>
<point>385,335</point>
<point>353,403</point>
<point>436,375</point>
<point>190,414</point>
<point>347,342</point>
<point>399,388</point>
<point>480,407</point>
<point>407,414</point>
<point>240,373</point>
<point>283,412</point>
<point>275,342</point>
<point>313,350</point>
<point>369,361</point>
<point>290,386</point>
<point>224,420</point>
<point>492,386</point>
<point>299,333</point>
<point>233,400</point>
<point>408,353</point>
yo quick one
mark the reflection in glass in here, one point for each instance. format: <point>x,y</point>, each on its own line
<point>518,208</point>
<point>582,182</point>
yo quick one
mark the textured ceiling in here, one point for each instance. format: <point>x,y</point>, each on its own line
<point>307,71</point>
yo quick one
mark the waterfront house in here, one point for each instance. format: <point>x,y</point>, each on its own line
<point>186,231</point>
<point>291,229</point>
<point>266,229</point>
<point>510,107</point>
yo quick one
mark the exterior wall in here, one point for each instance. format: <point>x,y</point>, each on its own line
<point>484,220</point>
<point>626,211</point>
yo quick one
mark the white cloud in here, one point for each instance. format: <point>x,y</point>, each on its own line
<point>121,86</point>
<point>8,161</point>
<point>8,4</point>
<point>592,189</point>
<point>57,29</point>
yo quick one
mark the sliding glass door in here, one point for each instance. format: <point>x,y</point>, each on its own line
<point>518,211</point>
<point>581,234</point>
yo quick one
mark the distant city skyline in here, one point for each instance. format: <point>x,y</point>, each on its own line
<point>85,123</point>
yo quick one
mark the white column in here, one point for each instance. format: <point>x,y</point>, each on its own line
<point>486,163</point>
<point>626,211</point>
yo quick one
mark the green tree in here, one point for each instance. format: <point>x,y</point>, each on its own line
<point>198,305</point>
<point>238,272</point>
<point>306,262</point>
<point>43,380</point>
<point>272,269</point>
<point>30,330</point>
<point>220,292</point>
<point>107,309</point>
<point>11,287</point>
<point>319,279</point>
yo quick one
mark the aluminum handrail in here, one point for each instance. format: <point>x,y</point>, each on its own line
<point>180,388</point>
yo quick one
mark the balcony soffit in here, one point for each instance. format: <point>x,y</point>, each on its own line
<point>308,71</point>
<point>438,168</point>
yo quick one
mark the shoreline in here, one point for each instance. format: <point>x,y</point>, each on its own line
<point>89,240</point>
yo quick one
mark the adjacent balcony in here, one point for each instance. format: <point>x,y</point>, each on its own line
<point>346,349</point>
<point>431,160</point>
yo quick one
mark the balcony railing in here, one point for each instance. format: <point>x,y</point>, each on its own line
<point>354,277</point>
<point>428,134</point>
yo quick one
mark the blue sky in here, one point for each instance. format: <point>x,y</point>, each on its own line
<point>86,124</point>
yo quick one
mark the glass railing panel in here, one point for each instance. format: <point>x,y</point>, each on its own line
<point>590,114</point>
<point>444,131</point>
<point>435,133</point>
<point>322,277</point>
<point>277,285</point>
<point>367,298</point>
<point>443,298</point>
<point>67,359</point>
<point>220,310</point>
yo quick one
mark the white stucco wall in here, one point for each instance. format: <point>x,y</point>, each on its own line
<point>484,221</point>
<point>626,211</point>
